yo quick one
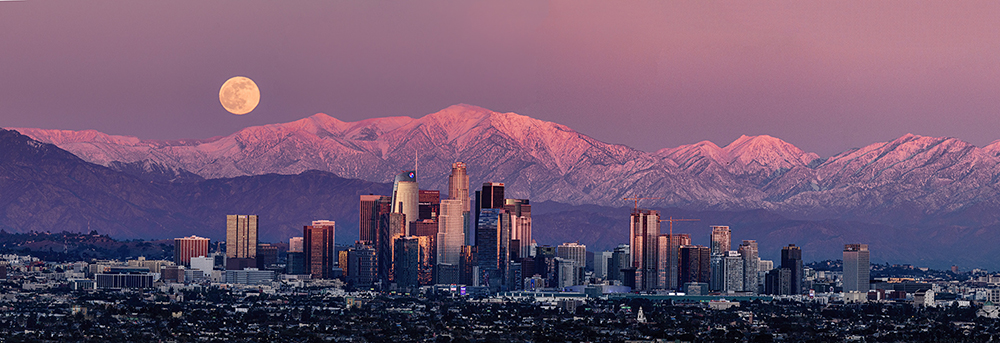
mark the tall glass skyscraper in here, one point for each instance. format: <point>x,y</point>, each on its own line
<point>721,242</point>
<point>644,232</point>
<point>451,234</point>
<point>748,250</point>
<point>406,198</point>
<point>857,268</point>
<point>318,245</point>
<point>492,243</point>
<point>241,236</point>
<point>791,258</point>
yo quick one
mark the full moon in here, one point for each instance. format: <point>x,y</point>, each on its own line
<point>239,95</point>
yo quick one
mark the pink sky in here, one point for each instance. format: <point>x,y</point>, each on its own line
<point>825,76</point>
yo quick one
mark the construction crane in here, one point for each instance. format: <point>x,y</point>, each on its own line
<point>672,220</point>
<point>637,201</point>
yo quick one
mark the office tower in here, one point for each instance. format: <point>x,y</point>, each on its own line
<point>520,226</point>
<point>778,282</point>
<point>188,247</point>
<point>567,272</point>
<point>492,242</point>
<point>241,236</point>
<point>545,263</point>
<point>748,250</point>
<point>295,263</point>
<point>732,271</point>
<point>429,204</point>
<point>361,266</point>
<point>857,268</point>
<point>673,272</point>
<point>573,251</point>
<point>458,189</point>
<point>406,197</point>
<point>391,227</point>
<point>765,265</point>
<point>295,244</point>
<point>620,259</point>
<point>342,259</point>
<point>791,258</point>
<point>492,195</point>
<point>601,262</point>
<point>428,229</point>
<point>318,245</point>
<point>372,209</point>
<point>467,266</point>
<point>458,185</point>
<point>721,240</point>
<point>644,230</point>
<point>663,259</point>
<point>470,232</point>
<point>693,263</point>
<point>451,232</point>
<point>425,259</point>
<point>267,256</point>
<point>407,262</point>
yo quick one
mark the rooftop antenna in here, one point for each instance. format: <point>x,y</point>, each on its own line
<point>416,164</point>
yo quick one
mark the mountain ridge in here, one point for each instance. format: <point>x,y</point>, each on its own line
<point>913,178</point>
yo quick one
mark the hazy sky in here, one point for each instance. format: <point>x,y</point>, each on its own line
<point>823,75</point>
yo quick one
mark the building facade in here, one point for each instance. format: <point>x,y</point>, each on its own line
<point>751,278</point>
<point>857,268</point>
<point>241,236</point>
<point>644,232</point>
<point>320,251</point>
<point>406,198</point>
<point>188,247</point>
<point>791,258</point>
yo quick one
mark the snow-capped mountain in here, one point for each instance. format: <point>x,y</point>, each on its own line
<point>906,180</point>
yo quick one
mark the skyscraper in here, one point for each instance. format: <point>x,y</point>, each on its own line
<point>644,230</point>
<point>407,263</point>
<point>295,244</point>
<point>406,197</point>
<point>241,236</point>
<point>693,264</point>
<point>673,255</point>
<point>748,250</point>
<point>857,268</point>
<point>520,225</point>
<point>620,259</point>
<point>721,240</point>
<point>732,271</point>
<point>391,227</point>
<point>492,195</point>
<point>791,258</point>
<point>492,242</point>
<point>458,185</point>
<point>601,262</point>
<point>372,208</point>
<point>573,251</point>
<point>318,243</point>
<point>429,204</point>
<point>451,232</point>
<point>361,266</point>
<point>188,247</point>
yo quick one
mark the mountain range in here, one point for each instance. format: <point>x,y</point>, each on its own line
<point>908,180</point>
<point>941,191</point>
